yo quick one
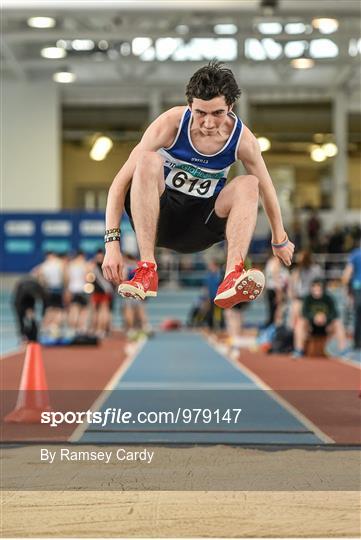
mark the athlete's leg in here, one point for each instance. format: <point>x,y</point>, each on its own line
<point>238,201</point>
<point>146,189</point>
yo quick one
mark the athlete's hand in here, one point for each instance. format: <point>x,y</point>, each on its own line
<point>285,253</point>
<point>113,263</point>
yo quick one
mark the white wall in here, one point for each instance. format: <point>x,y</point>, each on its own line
<point>30,146</point>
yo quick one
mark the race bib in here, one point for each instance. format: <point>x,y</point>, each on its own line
<point>192,180</point>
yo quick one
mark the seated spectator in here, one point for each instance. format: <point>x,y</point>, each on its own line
<point>302,276</point>
<point>319,318</point>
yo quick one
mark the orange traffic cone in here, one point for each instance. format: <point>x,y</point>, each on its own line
<point>33,396</point>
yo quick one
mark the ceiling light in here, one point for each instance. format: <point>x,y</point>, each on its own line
<point>224,29</point>
<point>53,52</point>
<point>148,55</point>
<point>41,22</point>
<point>318,155</point>
<point>103,45</point>
<point>165,47</point>
<point>295,28</point>
<point>140,44</point>
<point>354,47</point>
<point>325,26</point>
<point>182,29</point>
<point>196,49</point>
<point>254,49</point>
<point>270,28</point>
<point>272,48</point>
<point>294,49</point>
<point>100,148</point>
<point>264,143</point>
<point>330,149</point>
<point>63,44</point>
<point>323,48</point>
<point>82,44</point>
<point>125,49</point>
<point>302,63</point>
<point>64,77</point>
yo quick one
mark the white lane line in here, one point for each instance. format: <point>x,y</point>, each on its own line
<point>132,351</point>
<point>185,386</point>
<point>272,393</point>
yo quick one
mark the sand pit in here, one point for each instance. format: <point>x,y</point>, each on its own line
<point>165,513</point>
<point>179,514</point>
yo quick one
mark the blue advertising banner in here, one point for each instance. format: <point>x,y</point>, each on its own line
<point>25,237</point>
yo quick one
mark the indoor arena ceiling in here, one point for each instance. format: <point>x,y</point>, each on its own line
<point>124,52</point>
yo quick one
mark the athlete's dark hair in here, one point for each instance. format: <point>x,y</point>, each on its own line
<point>212,81</point>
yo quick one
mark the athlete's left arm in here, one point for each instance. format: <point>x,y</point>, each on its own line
<point>250,154</point>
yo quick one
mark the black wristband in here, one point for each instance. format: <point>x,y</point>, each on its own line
<point>111,239</point>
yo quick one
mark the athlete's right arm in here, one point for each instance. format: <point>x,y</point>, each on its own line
<point>160,133</point>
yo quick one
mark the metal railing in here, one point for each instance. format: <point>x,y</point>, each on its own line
<point>173,274</point>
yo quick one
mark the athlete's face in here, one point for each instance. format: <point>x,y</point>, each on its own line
<point>210,115</point>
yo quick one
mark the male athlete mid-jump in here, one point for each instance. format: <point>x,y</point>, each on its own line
<point>174,189</point>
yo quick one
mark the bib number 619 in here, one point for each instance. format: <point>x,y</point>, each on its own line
<point>200,186</point>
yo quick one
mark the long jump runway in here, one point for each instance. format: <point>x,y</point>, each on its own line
<point>181,372</point>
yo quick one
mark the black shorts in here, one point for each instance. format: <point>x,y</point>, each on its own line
<point>317,330</point>
<point>186,224</point>
<point>54,300</point>
<point>80,299</point>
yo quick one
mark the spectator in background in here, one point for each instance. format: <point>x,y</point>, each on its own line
<point>302,276</point>
<point>75,277</point>
<point>297,231</point>
<point>234,322</point>
<point>198,315</point>
<point>319,318</point>
<point>277,279</point>
<point>352,278</point>
<point>336,240</point>
<point>26,293</point>
<point>50,274</point>
<point>213,280</point>
<point>101,297</point>
<point>313,230</point>
<point>336,245</point>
